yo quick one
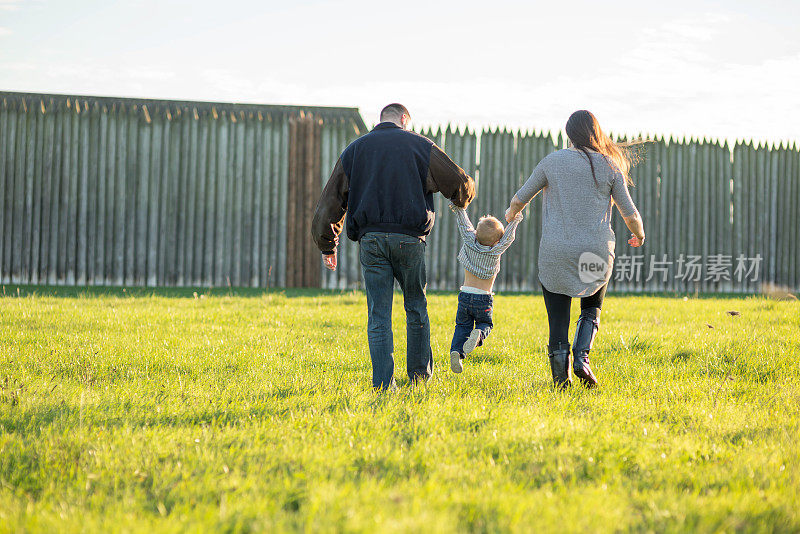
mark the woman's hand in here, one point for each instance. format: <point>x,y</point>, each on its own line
<point>635,241</point>
<point>510,214</point>
<point>515,207</point>
<point>635,225</point>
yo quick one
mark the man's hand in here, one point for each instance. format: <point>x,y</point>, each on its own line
<point>635,241</point>
<point>330,260</point>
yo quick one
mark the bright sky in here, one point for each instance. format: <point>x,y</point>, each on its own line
<point>727,69</point>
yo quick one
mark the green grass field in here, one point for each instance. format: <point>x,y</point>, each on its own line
<point>249,411</point>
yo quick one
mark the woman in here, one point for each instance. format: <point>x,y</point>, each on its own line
<point>576,252</point>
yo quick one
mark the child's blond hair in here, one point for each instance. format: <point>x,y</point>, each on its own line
<point>489,230</point>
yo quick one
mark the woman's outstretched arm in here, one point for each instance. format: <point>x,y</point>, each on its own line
<point>515,206</point>
<point>622,199</point>
<point>529,189</point>
<point>635,225</point>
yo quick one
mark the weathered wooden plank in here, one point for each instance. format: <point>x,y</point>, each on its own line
<point>712,178</point>
<point>69,199</point>
<point>728,185</point>
<point>19,244</point>
<point>5,160</point>
<point>177,192</point>
<point>525,232</point>
<point>676,173</point>
<point>291,205</point>
<point>740,171</point>
<point>703,203</point>
<point>230,200</point>
<point>795,216</point>
<point>270,201</point>
<point>166,220</point>
<point>688,197</point>
<point>121,188</point>
<point>37,155</point>
<point>751,239</point>
<point>130,196</point>
<point>55,205</point>
<point>794,177</point>
<point>277,202</point>
<point>11,196</point>
<point>716,205</point>
<point>183,199</point>
<point>47,196</point>
<point>114,182</point>
<point>211,178</point>
<point>159,193</point>
<point>238,202</point>
<point>773,214</point>
<point>202,274</point>
<point>305,187</point>
<point>782,246</point>
<point>100,197</point>
<point>641,197</point>
<point>140,206</point>
<point>86,238</point>
<point>251,201</point>
<point>762,205</point>
<point>748,200</point>
<point>82,200</point>
<point>190,184</point>
<point>198,183</point>
<point>216,210</point>
<point>285,159</point>
<point>507,166</point>
<point>82,193</point>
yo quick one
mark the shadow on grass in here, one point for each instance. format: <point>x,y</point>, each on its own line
<point>23,290</point>
<point>14,291</point>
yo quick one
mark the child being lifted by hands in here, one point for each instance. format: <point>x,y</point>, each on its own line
<point>480,256</point>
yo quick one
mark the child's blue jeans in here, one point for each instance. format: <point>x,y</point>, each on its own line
<point>474,311</point>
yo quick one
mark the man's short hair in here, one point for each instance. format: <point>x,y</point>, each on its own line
<point>489,230</point>
<point>394,111</point>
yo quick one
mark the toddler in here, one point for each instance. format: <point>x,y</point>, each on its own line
<point>480,256</point>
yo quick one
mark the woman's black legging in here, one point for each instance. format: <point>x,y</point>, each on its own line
<point>558,312</point>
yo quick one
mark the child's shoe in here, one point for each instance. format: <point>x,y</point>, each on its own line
<point>472,341</point>
<point>455,362</point>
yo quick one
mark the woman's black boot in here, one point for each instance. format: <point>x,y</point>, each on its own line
<point>559,364</point>
<point>585,332</point>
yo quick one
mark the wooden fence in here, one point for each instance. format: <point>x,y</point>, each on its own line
<point>718,218</point>
<point>107,191</point>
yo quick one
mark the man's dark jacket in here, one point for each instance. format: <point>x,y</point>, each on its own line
<point>384,182</point>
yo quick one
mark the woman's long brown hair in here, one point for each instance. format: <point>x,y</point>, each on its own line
<point>585,133</point>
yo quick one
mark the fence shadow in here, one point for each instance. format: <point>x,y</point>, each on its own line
<point>22,291</point>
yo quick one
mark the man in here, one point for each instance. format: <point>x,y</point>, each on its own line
<point>384,182</point>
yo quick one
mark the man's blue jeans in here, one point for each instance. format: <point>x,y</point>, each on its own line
<point>384,258</point>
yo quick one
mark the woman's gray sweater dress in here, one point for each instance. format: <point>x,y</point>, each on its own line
<point>576,219</point>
